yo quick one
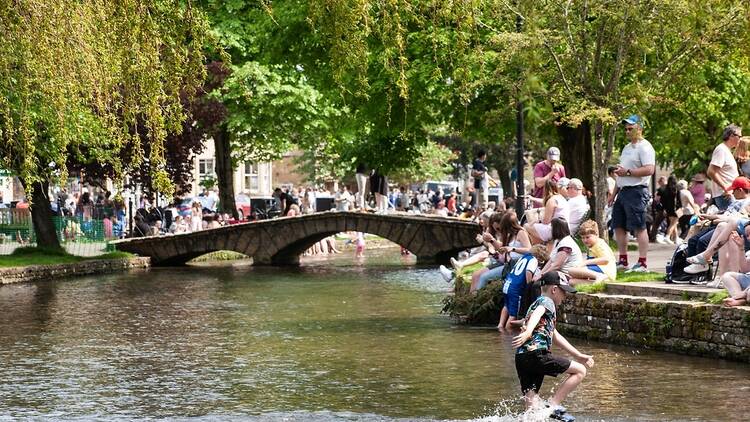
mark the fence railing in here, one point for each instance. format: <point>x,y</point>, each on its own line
<point>79,235</point>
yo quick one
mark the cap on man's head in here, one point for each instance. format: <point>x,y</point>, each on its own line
<point>553,153</point>
<point>633,120</point>
<point>563,182</point>
<point>553,278</point>
<point>741,182</point>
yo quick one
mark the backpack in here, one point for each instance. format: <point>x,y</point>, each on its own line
<point>676,269</point>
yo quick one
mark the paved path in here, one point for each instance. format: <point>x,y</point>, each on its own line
<point>658,255</point>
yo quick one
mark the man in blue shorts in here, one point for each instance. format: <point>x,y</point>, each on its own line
<point>637,164</point>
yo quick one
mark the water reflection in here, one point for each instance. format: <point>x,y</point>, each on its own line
<point>321,342</point>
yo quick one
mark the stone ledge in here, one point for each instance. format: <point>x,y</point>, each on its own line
<point>47,272</point>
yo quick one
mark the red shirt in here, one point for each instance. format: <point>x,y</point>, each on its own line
<point>542,169</point>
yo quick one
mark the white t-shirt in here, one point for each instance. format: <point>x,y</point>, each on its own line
<point>634,156</point>
<point>578,206</point>
<point>575,259</point>
<point>724,160</point>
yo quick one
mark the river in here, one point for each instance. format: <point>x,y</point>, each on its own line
<point>326,341</point>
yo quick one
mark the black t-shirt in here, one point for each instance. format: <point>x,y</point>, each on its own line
<point>479,166</point>
<point>668,199</point>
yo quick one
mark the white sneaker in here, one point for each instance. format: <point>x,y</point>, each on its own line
<point>637,268</point>
<point>446,273</point>
<point>696,268</point>
<point>668,241</point>
<point>715,284</point>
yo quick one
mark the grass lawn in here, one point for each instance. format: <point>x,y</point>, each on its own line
<point>40,256</point>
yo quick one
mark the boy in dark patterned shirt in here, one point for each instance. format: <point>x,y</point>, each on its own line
<point>533,357</point>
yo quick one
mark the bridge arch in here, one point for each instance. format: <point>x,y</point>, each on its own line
<point>281,241</point>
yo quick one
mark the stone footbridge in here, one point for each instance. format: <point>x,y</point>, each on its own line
<point>281,241</point>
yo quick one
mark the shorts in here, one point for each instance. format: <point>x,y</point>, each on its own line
<point>744,280</point>
<point>544,231</point>
<point>533,366</point>
<point>595,268</point>
<point>513,298</point>
<point>741,223</point>
<point>629,210</point>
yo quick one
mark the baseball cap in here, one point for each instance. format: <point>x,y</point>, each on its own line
<point>633,120</point>
<point>553,153</point>
<point>553,278</point>
<point>740,183</point>
<point>563,182</point>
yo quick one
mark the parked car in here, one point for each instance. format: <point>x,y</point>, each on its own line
<point>244,206</point>
<point>264,208</point>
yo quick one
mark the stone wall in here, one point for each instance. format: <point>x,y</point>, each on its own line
<point>48,272</point>
<point>676,326</point>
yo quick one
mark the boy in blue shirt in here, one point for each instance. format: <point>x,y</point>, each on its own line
<point>517,280</point>
<point>533,357</point>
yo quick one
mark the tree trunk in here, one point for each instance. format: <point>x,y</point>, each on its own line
<point>225,173</point>
<point>576,152</point>
<point>41,215</point>
<point>506,183</point>
<point>603,149</point>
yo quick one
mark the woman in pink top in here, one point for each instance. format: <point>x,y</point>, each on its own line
<point>555,205</point>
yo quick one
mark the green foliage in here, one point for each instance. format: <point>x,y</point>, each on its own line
<point>638,277</point>
<point>270,109</point>
<point>718,297</point>
<point>481,308</point>
<point>592,288</point>
<point>80,76</point>
<point>220,256</point>
<point>434,163</point>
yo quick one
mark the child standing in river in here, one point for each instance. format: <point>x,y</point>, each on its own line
<point>534,359</point>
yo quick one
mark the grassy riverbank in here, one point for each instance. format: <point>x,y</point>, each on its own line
<point>22,257</point>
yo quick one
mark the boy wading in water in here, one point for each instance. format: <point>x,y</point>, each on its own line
<point>534,359</point>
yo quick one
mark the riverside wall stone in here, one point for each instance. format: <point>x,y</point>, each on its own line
<point>692,328</point>
<point>49,272</point>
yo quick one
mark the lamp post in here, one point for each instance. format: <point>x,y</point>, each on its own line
<point>520,188</point>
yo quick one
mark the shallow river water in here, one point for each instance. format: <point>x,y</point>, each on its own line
<point>326,341</point>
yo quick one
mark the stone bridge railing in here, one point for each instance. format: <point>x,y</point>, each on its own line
<point>281,241</point>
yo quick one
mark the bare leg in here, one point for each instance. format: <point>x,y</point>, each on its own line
<point>721,234</point>
<point>732,285</point>
<point>584,275</point>
<point>621,237</point>
<point>729,260</point>
<point>481,256</point>
<point>531,398</point>
<point>672,229</point>
<point>509,324</point>
<point>642,237</point>
<point>576,371</point>
<point>503,319</point>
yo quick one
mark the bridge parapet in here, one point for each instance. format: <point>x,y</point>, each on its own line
<point>281,241</point>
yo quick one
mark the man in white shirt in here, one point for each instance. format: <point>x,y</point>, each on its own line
<point>343,199</point>
<point>578,205</point>
<point>723,168</point>
<point>637,164</point>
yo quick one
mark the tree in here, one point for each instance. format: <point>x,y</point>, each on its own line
<point>84,90</point>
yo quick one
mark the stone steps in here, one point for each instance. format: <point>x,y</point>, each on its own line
<point>677,292</point>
